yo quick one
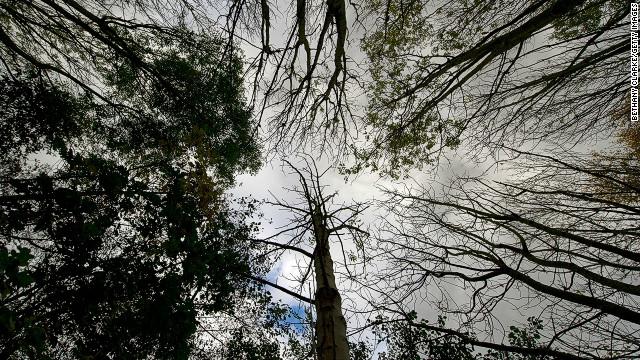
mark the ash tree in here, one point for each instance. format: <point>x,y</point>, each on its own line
<point>551,240</point>
<point>315,220</point>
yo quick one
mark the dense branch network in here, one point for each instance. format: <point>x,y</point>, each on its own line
<point>447,73</point>
<point>550,242</point>
<point>300,80</point>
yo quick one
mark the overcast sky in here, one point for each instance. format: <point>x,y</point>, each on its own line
<point>273,178</point>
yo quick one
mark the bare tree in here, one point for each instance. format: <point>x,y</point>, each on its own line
<point>431,74</point>
<point>547,241</point>
<point>301,77</point>
<point>313,215</point>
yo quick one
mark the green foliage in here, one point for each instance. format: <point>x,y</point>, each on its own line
<point>396,145</point>
<point>427,342</point>
<point>443,70</point>
<point>526,338</point>
<point>618,170</point>
<point>241,347</point>
<point>588,18</point>
<point>360,351</point>
<point>115,249</point>
<point>13,279</point>
<point>34,117</point>
<point>198,109</point>
<point>119,267</point>
<point>415,343</point>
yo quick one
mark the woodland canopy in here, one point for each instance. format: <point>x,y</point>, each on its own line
<point>498,133</point>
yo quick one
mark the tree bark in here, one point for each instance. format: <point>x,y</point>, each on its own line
<point>331,326</point>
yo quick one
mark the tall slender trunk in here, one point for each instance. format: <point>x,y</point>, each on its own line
<point>331,326</point>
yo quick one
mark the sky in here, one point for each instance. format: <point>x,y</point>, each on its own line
<point>272,180</point>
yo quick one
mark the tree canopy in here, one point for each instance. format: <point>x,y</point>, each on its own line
<point>490,73</point>
<point>567,253</point>
<point>114,246</point>
<point>122,124</point>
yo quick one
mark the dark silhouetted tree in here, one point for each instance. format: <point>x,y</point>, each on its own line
<point>114,246</point>
<point>542,241</point>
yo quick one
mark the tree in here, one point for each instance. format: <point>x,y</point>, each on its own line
<point>245,348</point>
<point>118,247</point>
<point>538,242</point>
<point>304,78</point>
<point>313,216</point>
<point>72,40</point>
<point>622,161</point>
<point>488,73</point>
<point>436,73</point>
<point>448,73</point>
<point>418,340</point>
<point>146,70</point>
<point>414,343</point>
<point>159,113</point>
<point>432,75</point>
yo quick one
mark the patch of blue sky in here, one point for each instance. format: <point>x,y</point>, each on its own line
<point>298,317</point>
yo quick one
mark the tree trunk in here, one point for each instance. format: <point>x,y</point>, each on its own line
<point>331,326</point>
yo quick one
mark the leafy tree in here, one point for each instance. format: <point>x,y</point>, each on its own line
<point>243,348</point>
<point>255,327</point>
<point>154,83</point>
<point>115,249</point>
<point>360,350</point>
<point>301,342</point>
<point>523,338</point>
<point>197,114</point>
<point>415,343</point>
